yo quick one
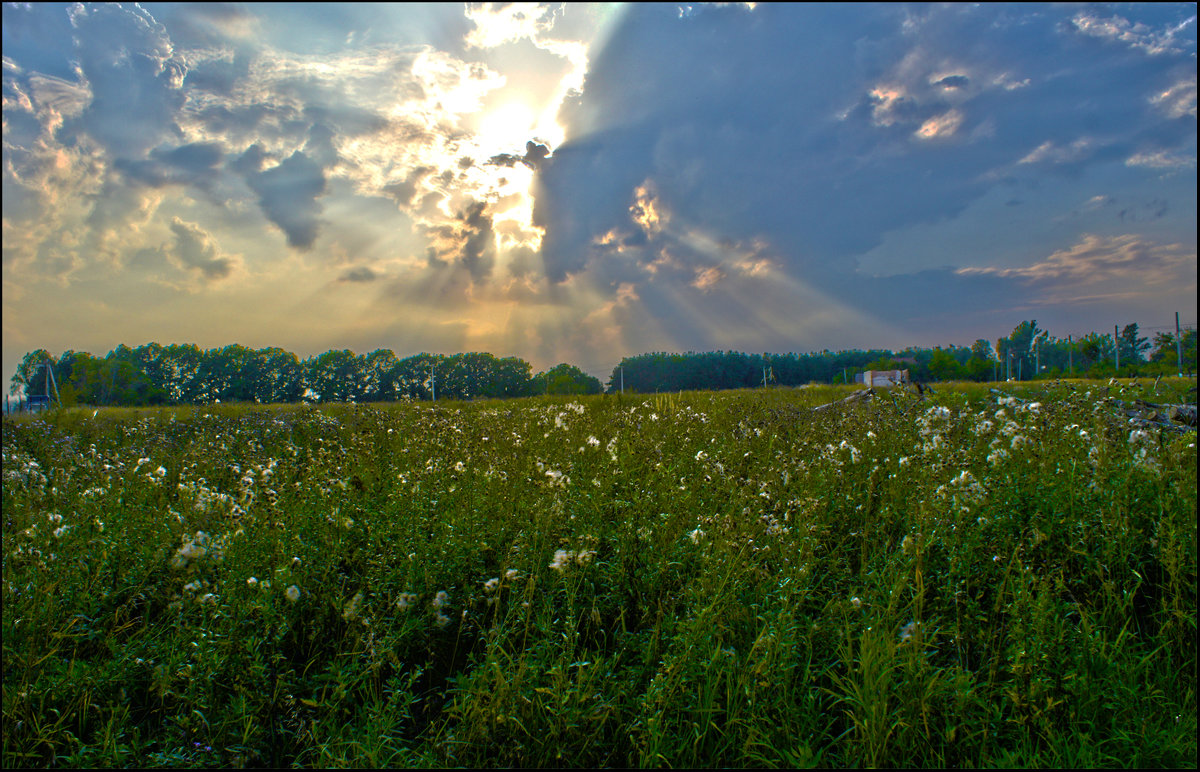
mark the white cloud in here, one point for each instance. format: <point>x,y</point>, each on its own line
<point>1097,259</point>
<point>1180,99</point>
<point>1135,35</point>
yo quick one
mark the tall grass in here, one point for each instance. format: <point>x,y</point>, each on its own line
<point>676,580</point>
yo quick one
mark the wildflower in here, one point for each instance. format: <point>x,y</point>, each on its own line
<point>510,574</point>
<point>562,558</point>
<point>194,548</point>
<point>406,600</point>
<point>293,593</point>
<point>856,602</point>
<point>907,545</point>
<point>909,630</point>
<point>696,536</point>
<point>491,584</point>
<point>252,582</point>
<point>441,600</point>
<point>593,442</point>
<point>352,607</point>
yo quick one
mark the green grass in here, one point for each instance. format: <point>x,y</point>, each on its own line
<point>696,579</point>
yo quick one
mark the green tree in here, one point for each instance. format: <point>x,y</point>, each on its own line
<point>1018,345</point>
<point>944,367</point>
<point>1131,345</point>
<point>25,379</point>
<point>567,379</point>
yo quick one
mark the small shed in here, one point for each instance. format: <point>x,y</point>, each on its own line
<point>884,379</point>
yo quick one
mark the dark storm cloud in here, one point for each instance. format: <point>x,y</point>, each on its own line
<point>404,190</point>
<point>469,241</point>
<point>535,153</point>
<point>954,81</point>
<point>362,274</point>
<point>287,193</point>
<point>196,163</point>
<point>757,124</point>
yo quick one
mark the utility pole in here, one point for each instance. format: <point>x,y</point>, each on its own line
<point>432,383</point>
<point>1178,345</point>
<point>1008,367</point>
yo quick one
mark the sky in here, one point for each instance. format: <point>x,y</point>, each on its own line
<point>578,183</point>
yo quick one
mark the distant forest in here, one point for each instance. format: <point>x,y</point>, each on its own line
<point>186,374</point>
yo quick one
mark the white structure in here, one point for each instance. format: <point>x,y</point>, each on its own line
<point>884,379</point>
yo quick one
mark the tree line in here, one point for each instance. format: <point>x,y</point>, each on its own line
<point>186,374</point>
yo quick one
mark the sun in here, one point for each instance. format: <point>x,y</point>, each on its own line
<point>506,128</point>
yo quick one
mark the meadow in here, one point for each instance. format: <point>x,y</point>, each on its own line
<point>696,579</point>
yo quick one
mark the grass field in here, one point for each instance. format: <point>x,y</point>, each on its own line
<point>697,579</point>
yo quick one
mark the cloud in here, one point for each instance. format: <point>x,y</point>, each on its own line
<point>362,274</point>
<point>195,249</point>
<point>1180,99</point>
<point>1097,259</point>
<point>288,193</point>
<point>1134,34</point>
<point>535,153</point>
<point>469,242</point>
<point>128,62</point>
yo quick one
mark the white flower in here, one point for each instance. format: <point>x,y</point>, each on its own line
<point>491,584</point>
<point>441,600</point>
<point>562,558</point>
<point>352,607</point>
<point>696,536</point>
<point>856,602</point>
<point>293,593</point>
<point>1138,436</point>
<point>252,582</point>
<point>909,630</point>
<point>406,600</point>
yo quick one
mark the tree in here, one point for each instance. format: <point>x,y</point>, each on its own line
<point>568,379</point>
<point>25,379</point>
<point>1020,345</point>
<point>944,367</point>
<point>1131,345</point>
